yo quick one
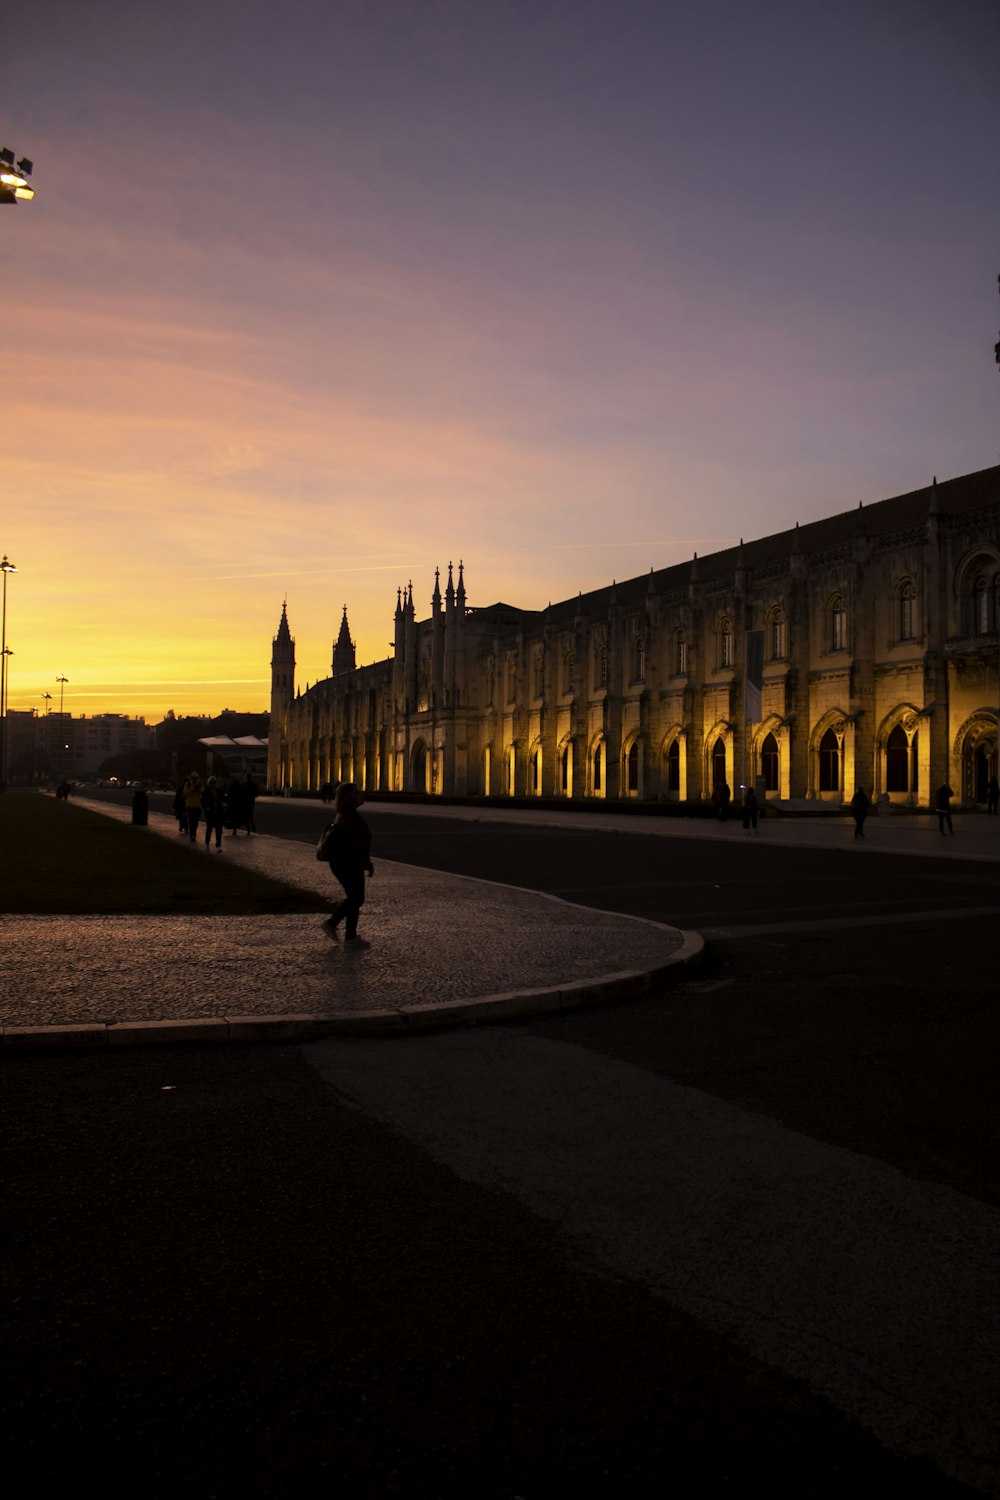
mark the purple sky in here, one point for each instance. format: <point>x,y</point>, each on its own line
<point>314,297</point>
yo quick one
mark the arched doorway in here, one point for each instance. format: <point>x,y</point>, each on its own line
<point>829,762</point>
<point>418,767</point>
<point>770,765</point>
<point>674,768</point>
<point>597,770</point>
<point>632,769</point>
<point>718,763</point>
<point>979,760</point>
<point>566,769</point>
<point>897,761</point>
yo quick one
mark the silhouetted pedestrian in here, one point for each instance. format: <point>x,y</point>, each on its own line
<point>180,810</point>
<point>346,844</point>
<point>212,805</point>
<point>750,809</point>
<point>249,790</point>
<point>236,805</point>
<point>326,792</point>
<point>721,797</point>
<point>943,804</point>
<point>192,803</point>
<point>859,809</point>
<point>992,796</point>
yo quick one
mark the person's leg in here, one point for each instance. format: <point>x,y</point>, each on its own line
<point>193,816</point>
<point>354,885</point>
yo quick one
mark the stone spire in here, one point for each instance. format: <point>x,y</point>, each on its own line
<point>343,649</point>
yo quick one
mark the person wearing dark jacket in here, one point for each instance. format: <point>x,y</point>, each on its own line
<point>214,810</point>
<point>349,844</point>
<point>943,807</point>
<point>859,808</point>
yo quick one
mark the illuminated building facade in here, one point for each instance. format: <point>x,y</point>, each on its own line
<point>879,669</point>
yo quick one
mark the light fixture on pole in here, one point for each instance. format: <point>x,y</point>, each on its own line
<point>62,681</point>
<point>14,177</point>
<point>5,567</point>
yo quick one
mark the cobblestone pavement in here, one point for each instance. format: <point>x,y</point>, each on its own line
<point>436,938</point>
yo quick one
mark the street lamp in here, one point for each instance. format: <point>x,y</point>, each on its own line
<point>5,567</point>
<point>14,177</point>
<point>62,681</point>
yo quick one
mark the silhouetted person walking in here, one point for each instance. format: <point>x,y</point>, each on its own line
<point>943,803</point>
<point>211,801</point>
<point>348,841</point>
<point>180,810</point>
<point>992,796</point>
<point>192,803</point>
<point>750,809</point>
<point>236,803</point>
<point>859,808</point>
<point>249,790</point>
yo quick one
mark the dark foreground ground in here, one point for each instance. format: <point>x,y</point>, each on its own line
<point>224,1281</point>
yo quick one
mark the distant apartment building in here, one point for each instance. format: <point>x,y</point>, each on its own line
<point>58,744</point>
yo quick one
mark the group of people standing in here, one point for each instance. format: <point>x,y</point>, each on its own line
<point>230,805</point>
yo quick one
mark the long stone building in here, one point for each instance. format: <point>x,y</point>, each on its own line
<point>857,650</point>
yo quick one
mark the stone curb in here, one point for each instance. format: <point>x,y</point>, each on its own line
<point>404,1020</point>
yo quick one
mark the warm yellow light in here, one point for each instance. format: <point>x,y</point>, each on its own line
<point>24,192</point>
<point>11,179</point>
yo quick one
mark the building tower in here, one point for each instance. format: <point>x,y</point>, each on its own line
<point>279,767</point>
<point>343,650</point>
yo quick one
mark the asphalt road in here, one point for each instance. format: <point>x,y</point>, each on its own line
<point>242,1272</point>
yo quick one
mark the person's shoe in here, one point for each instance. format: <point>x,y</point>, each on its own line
<point>356,942</point>
<point>329,928</point>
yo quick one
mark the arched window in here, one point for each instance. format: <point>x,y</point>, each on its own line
<point>539,674</point>
<point>674,767</point>
<point>597,769</point>
<point>838,624</point>
<point>536,771</point>
<point>981,606</point>
<point>600,666</point>
<point>564,770</point>
<point>779,636</point>
<point>897,761</point>
<point>632,767</point>
<point>638,659</point>
<point>569,672</point>
<point>907,611</point>
<point>725,643</point>
<point>829,763</point>
<point>512,681</point>
<point>680,653</point>
<point>769,763</point>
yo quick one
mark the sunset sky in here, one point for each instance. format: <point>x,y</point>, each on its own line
<point>317,295</point>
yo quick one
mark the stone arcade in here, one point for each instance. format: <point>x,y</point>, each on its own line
<point>880,669</point>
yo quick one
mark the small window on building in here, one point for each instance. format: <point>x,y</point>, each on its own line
<point>680,653</point>
<point>907,606</point>
<point>601,667</point>
<point>981,607</point>
<point>779,637</point>
<point>569,672</point>
<point>638,659</point>
<point>725,643</point>
<point>838,626</point>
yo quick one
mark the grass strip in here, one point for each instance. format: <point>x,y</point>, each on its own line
<point>58,858</point>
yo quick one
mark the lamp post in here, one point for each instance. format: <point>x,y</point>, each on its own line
<point>5,567</point>
<point>62,681</point>
<point>14,177</point>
